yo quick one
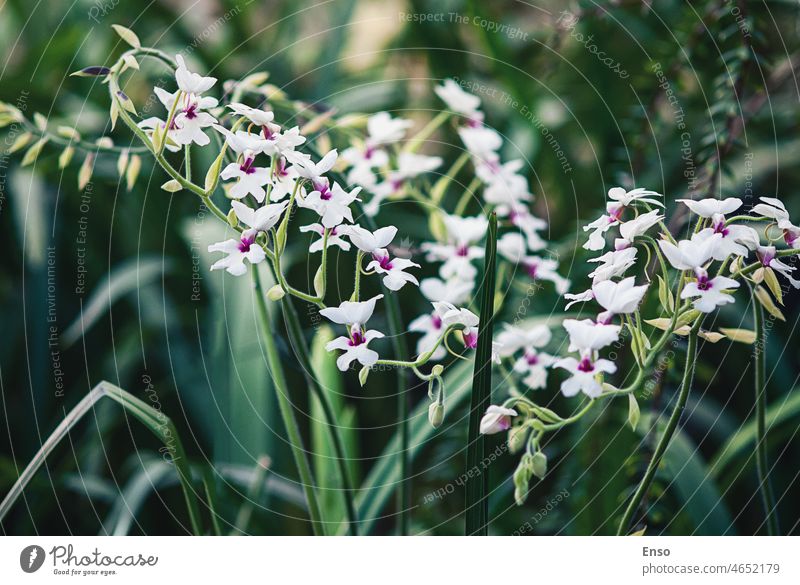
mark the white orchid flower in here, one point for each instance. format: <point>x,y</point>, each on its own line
<point>587,335</point>
<point>189,82</point>
<point>284,181</point>
<point>711,206</point>
<point>237,252</point>
<point>455,290</point>
<point>367,241</point>
<point>355,348</point>
<point>482,142</point>
<point>149,125</point>
<point>775,209</point>
<point>636,227</point>
<point>332,205</point>
<point>767,257</point>
<point>612,264</point>
<point>619,298</point>
<point>735,240</point>
<point>430,325</point>
<point>261,219</point>
<point>496,420</point>
<point>513,338</point>
<point>459,101</point>
<point>545,269</point>
<point>312,171</point>
<point>351,312</point>
<point>626,198</point>
<point>575,298</point>
<point>709,291</point>
<point>190,119</point>
<point>334,237</point>
<point>393,269</point>
<point>533,366</point>
<point>584,375</point>
<point>689,254</point>
<point>255,115</point>
<point>601,225</point>
<point>250,179</point>
<point>383,129</point>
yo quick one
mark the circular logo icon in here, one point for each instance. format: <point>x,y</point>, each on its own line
<point>31,558</point>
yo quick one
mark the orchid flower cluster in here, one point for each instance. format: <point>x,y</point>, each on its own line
<point>697,275</point>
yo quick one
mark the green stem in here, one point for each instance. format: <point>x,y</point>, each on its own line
<point>666,437</point>
<point>764,486</point>
<point>426,132</point>
<point>300,349</point>
<point>285,406</point>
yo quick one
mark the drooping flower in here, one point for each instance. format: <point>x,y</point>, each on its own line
<point>334,237</point>
<point>496,420</point>
<point>775,209</point>
<point>332,205</point>
<point>284,181</point>
<point>710,207</point>
<point>709,292</point>
<point>587,335</point>
<point>583,376</point>
<point>394,269</point>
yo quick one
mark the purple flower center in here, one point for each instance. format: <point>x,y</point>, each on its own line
<point>324,190</point>
<point>720,228</point>
<point>531,267</point>
<point>267,132</point>
<point>703,282</point>
<point>436,321</point>
<point>280,170</point>
<point>356,338</point>
<point>790,236</point>
<point>462,250</point>
<point>470,339</point>
<point>396,184</point>
<point>191,111</point>
<point>615,214</point>
<point>532,359</point>
<point>383,261</point>
<point>766,257</point>
<point>247,165</point>
<point>585,365</point>
<point>245,243</point>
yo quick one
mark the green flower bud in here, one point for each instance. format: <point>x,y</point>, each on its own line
<point>276,293</point>
<point>539,464</point>
<point>517,436</point>
<point>436,414</point>
<point>363,374</point>
<point>233,221</point>
<point>437,370</point>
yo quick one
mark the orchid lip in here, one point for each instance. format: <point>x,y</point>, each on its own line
<point>245,243</point>
<point>585,365</point>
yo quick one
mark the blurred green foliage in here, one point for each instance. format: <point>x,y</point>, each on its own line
<point>707,104</point>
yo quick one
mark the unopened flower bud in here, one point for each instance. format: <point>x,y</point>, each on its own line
<point>538,464</point>
<point>437,370</point>
<point>233,221</point>
<point>522,477</point>
<point>516,438</point>
<point>436,414</point>
<point>276,293</point>
<point>363,374</point>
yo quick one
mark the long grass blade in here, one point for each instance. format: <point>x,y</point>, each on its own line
<point>477,485</point>
<point>157,422</point>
